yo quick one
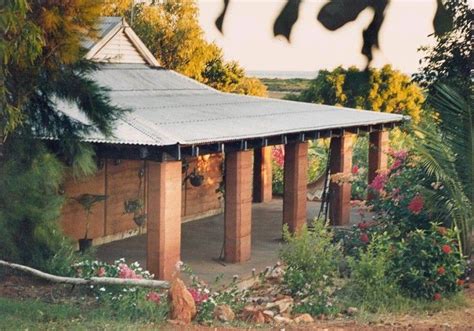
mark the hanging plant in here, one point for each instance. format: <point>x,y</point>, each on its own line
<point>136,205</point>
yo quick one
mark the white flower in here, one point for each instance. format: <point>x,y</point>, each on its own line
<point>102,289</point>
<point>179,265</point>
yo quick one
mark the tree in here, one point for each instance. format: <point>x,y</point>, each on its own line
<point>42,63</point>
<point>385,90</point>
<point>230,77</point>
<point>449,60</point>
<point>172,32</point>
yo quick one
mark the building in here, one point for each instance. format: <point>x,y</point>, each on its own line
<point>166,160</point>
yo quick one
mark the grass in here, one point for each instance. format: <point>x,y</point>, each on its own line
<point>34,315</point>
<point>293,85</point>
<point>417,308</point>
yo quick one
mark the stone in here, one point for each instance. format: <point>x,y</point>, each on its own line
<point>253,314</point>
<point>182,305</point>
<point>303,318</point>
<point>224,313</point>
<point>352,311</point>
<point>283,304</point>
<point>282,320</point>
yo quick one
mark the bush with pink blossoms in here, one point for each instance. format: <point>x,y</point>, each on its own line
<point>133,302</point>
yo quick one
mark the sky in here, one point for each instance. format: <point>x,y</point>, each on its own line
<point>248,36</point>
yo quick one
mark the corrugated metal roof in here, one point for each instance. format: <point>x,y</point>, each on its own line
<point>168,108</point>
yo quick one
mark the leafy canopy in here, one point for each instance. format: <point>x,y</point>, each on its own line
<point>385,90</point>
<point>42,62</point>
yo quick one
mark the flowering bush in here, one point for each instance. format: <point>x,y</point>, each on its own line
<point>207,299</point>
<point>399,195</point>
<point>132,302</point>
<point>427,263</point>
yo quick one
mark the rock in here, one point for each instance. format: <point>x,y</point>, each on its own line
<point>282,320</point>
<point>303,318</point>
<point>268,315</point>
<point>352,311</point>
<point>283,304</point>
<point>224,313</point>
<point>253,314</point>
<point>182,305</point>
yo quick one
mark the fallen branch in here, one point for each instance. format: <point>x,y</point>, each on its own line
<point>89,281</point>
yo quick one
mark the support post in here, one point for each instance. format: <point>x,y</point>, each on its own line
<point>238,206</point>
<point>340,194</point>
<point>262,174</point>
<point>295,185</point>
<point>163,218</point>
<point>378,158</point>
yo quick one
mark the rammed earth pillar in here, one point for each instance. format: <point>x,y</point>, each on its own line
<point>262,174</point>
<point>295,185</point>
<point>163,218</point>
<point>340,194</point>
<point>378,158</point>
<point>238,206</point>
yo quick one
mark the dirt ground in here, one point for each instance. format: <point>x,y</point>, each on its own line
<point>24,287</point>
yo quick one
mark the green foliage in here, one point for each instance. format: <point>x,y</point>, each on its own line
<point>450,203</point>
<point>385,90</point>
<point>312,261</point>
<point>427,263</point>
<point>42,64</point>
<point>30,207</point>
<point>79,315</point>
<point>286,85</point>
<point>449,60</point>
<point>370,285</point>
<point>131,303</point>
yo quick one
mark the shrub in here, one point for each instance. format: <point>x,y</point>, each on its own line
<point>30,207</point>
<point>428,263</point>
<point>371,284</point>
<point>312,261</point>
<point>131,303</point>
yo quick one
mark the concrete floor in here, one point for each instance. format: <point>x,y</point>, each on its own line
<point>202,243</point>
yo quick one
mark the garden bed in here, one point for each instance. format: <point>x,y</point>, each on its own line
<point>44,305</point>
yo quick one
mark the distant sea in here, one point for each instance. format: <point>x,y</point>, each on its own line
<point>282,74</point>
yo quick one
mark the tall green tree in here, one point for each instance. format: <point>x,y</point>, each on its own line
<point>449,60</point>
<point>42,63</point>
<point>385,90</point>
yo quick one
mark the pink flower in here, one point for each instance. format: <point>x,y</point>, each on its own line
<point>437,296</point>
<point>399,155</point>
<point>416,204</point>
<point>153,297</point>
<point>127,273</point>
<point>278,154</point>
<point>364,238</point>
<point>198,295</point>
<point>396,164</point>
<point>101,272</point>
<point>446,249</point>
<point>379,182</point>
<point>363,225</point>
<point>355,169</point>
